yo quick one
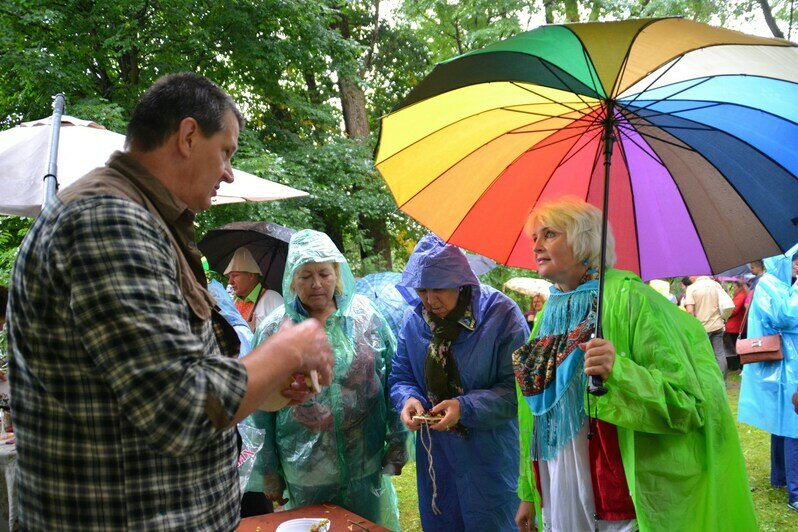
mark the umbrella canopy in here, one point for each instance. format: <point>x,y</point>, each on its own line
<point>705,128</point>
<point>380,288</point>
<point>529,286</point>
<point>480,265</point>
<point>83,146</point>
<point>268,243</point>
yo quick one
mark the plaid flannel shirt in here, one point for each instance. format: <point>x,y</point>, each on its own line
<point>115,380</point>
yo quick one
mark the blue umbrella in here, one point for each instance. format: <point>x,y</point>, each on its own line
<point>380,288</point>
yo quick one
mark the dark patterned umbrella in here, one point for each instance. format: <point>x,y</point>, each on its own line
<point>268,243</point>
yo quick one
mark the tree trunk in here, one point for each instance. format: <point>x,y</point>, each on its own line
<point>571,11</point>
<point>331,227</point>
<point>549,11</point>
<point>353,105</point>
<point>356,124</point>
<point>771,22</point>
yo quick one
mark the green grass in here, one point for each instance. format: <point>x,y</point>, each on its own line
<point>770,504</point>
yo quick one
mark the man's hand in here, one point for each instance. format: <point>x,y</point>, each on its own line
<point>795,402</point>
<point>599,357</point>
<point>271,366</point>
<point>412,408</point>
<point>308,342</point>
<point>298,391</point>
<point>450,408</point>
<point>525,517</point>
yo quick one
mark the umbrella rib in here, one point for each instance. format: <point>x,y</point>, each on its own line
<point>633,202</point>
<point>553,73</point>
<point>650,152</point>
<point>542,144</point>
<point>741,196</point>
<point>653,81</point>
<point>596,82</point>
<point>564,104</point>
<point>710,104</point>
<point>547,115</point>
<point>521,231</point>
<point>705,105</point>
<point>699,81</point>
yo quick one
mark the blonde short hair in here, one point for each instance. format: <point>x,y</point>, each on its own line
<point>581,223</point>
<point>339,284</point>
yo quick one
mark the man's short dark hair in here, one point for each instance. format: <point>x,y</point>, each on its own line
<point>173,98</point>
<point>758,263</point>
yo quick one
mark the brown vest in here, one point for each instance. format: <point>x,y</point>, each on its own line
<point>111,182</point>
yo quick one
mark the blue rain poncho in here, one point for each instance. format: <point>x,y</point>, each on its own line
<point>767,387</point>
<point>476,475</point>
<point>334,447</point>
<point>230,313</point>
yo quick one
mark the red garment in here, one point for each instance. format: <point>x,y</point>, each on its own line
<point>610,490</point>
<point>611,495</point>
<point>735,321</point>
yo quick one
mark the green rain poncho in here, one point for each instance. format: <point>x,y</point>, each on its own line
<point>679,445</point>
<point>334,447</point>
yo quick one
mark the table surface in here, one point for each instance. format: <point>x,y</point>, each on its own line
<point>340,519</point>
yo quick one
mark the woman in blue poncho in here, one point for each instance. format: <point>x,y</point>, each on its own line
<point>767,387</point>
<point>454,358</point>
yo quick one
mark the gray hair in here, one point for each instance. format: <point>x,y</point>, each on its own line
<point>581,223</point>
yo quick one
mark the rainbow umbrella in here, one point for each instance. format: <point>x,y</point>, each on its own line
<point>694,129</point>
<point>702,119</point>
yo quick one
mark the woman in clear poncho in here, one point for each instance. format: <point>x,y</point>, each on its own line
<point>336,446</point>
<point>661,452</point>
<point>454,359</point>
<point>767,387</point>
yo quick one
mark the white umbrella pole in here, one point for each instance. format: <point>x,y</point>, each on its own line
<point>50,180</point>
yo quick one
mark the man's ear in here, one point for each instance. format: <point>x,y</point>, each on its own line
<point>187,135</point>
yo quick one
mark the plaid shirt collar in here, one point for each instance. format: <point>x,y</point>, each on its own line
<point>171,208</point>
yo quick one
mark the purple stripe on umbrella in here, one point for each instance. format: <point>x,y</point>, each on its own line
<point>667,239</point>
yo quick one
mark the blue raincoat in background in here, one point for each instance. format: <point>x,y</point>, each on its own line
<point>335,447</point>
<point>229,312</point>
<point>767,387</point>
<point>476,476</point>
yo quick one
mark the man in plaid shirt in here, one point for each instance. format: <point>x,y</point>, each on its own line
<point>126,383</point>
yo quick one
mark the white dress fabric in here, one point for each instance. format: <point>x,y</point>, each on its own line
<point>567,492</point>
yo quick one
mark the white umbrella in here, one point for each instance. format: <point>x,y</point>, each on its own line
<point>83,146</point>
<point>529,286</point>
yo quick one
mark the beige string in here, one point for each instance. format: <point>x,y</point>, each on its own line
<point>427,443</point>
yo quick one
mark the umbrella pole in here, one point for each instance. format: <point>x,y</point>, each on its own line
<point>50,180</point>
<point>595,386</point>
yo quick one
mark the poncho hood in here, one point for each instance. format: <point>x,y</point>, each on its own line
<point>435,264</point>
<point>308,246</point>
<point>780,266</point>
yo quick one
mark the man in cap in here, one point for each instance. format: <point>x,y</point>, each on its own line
<point>127,386</point>
<point>252,299</point>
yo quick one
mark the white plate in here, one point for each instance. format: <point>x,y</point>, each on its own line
<point>302,525</point>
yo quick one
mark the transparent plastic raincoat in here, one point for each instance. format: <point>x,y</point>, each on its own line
<point>767,387</point>
<point>333,448</point>
<point>678,442</point>
<point>476,475</point>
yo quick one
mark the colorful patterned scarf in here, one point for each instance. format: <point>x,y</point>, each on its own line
<point>441,374</point>
<point>550,367</point>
